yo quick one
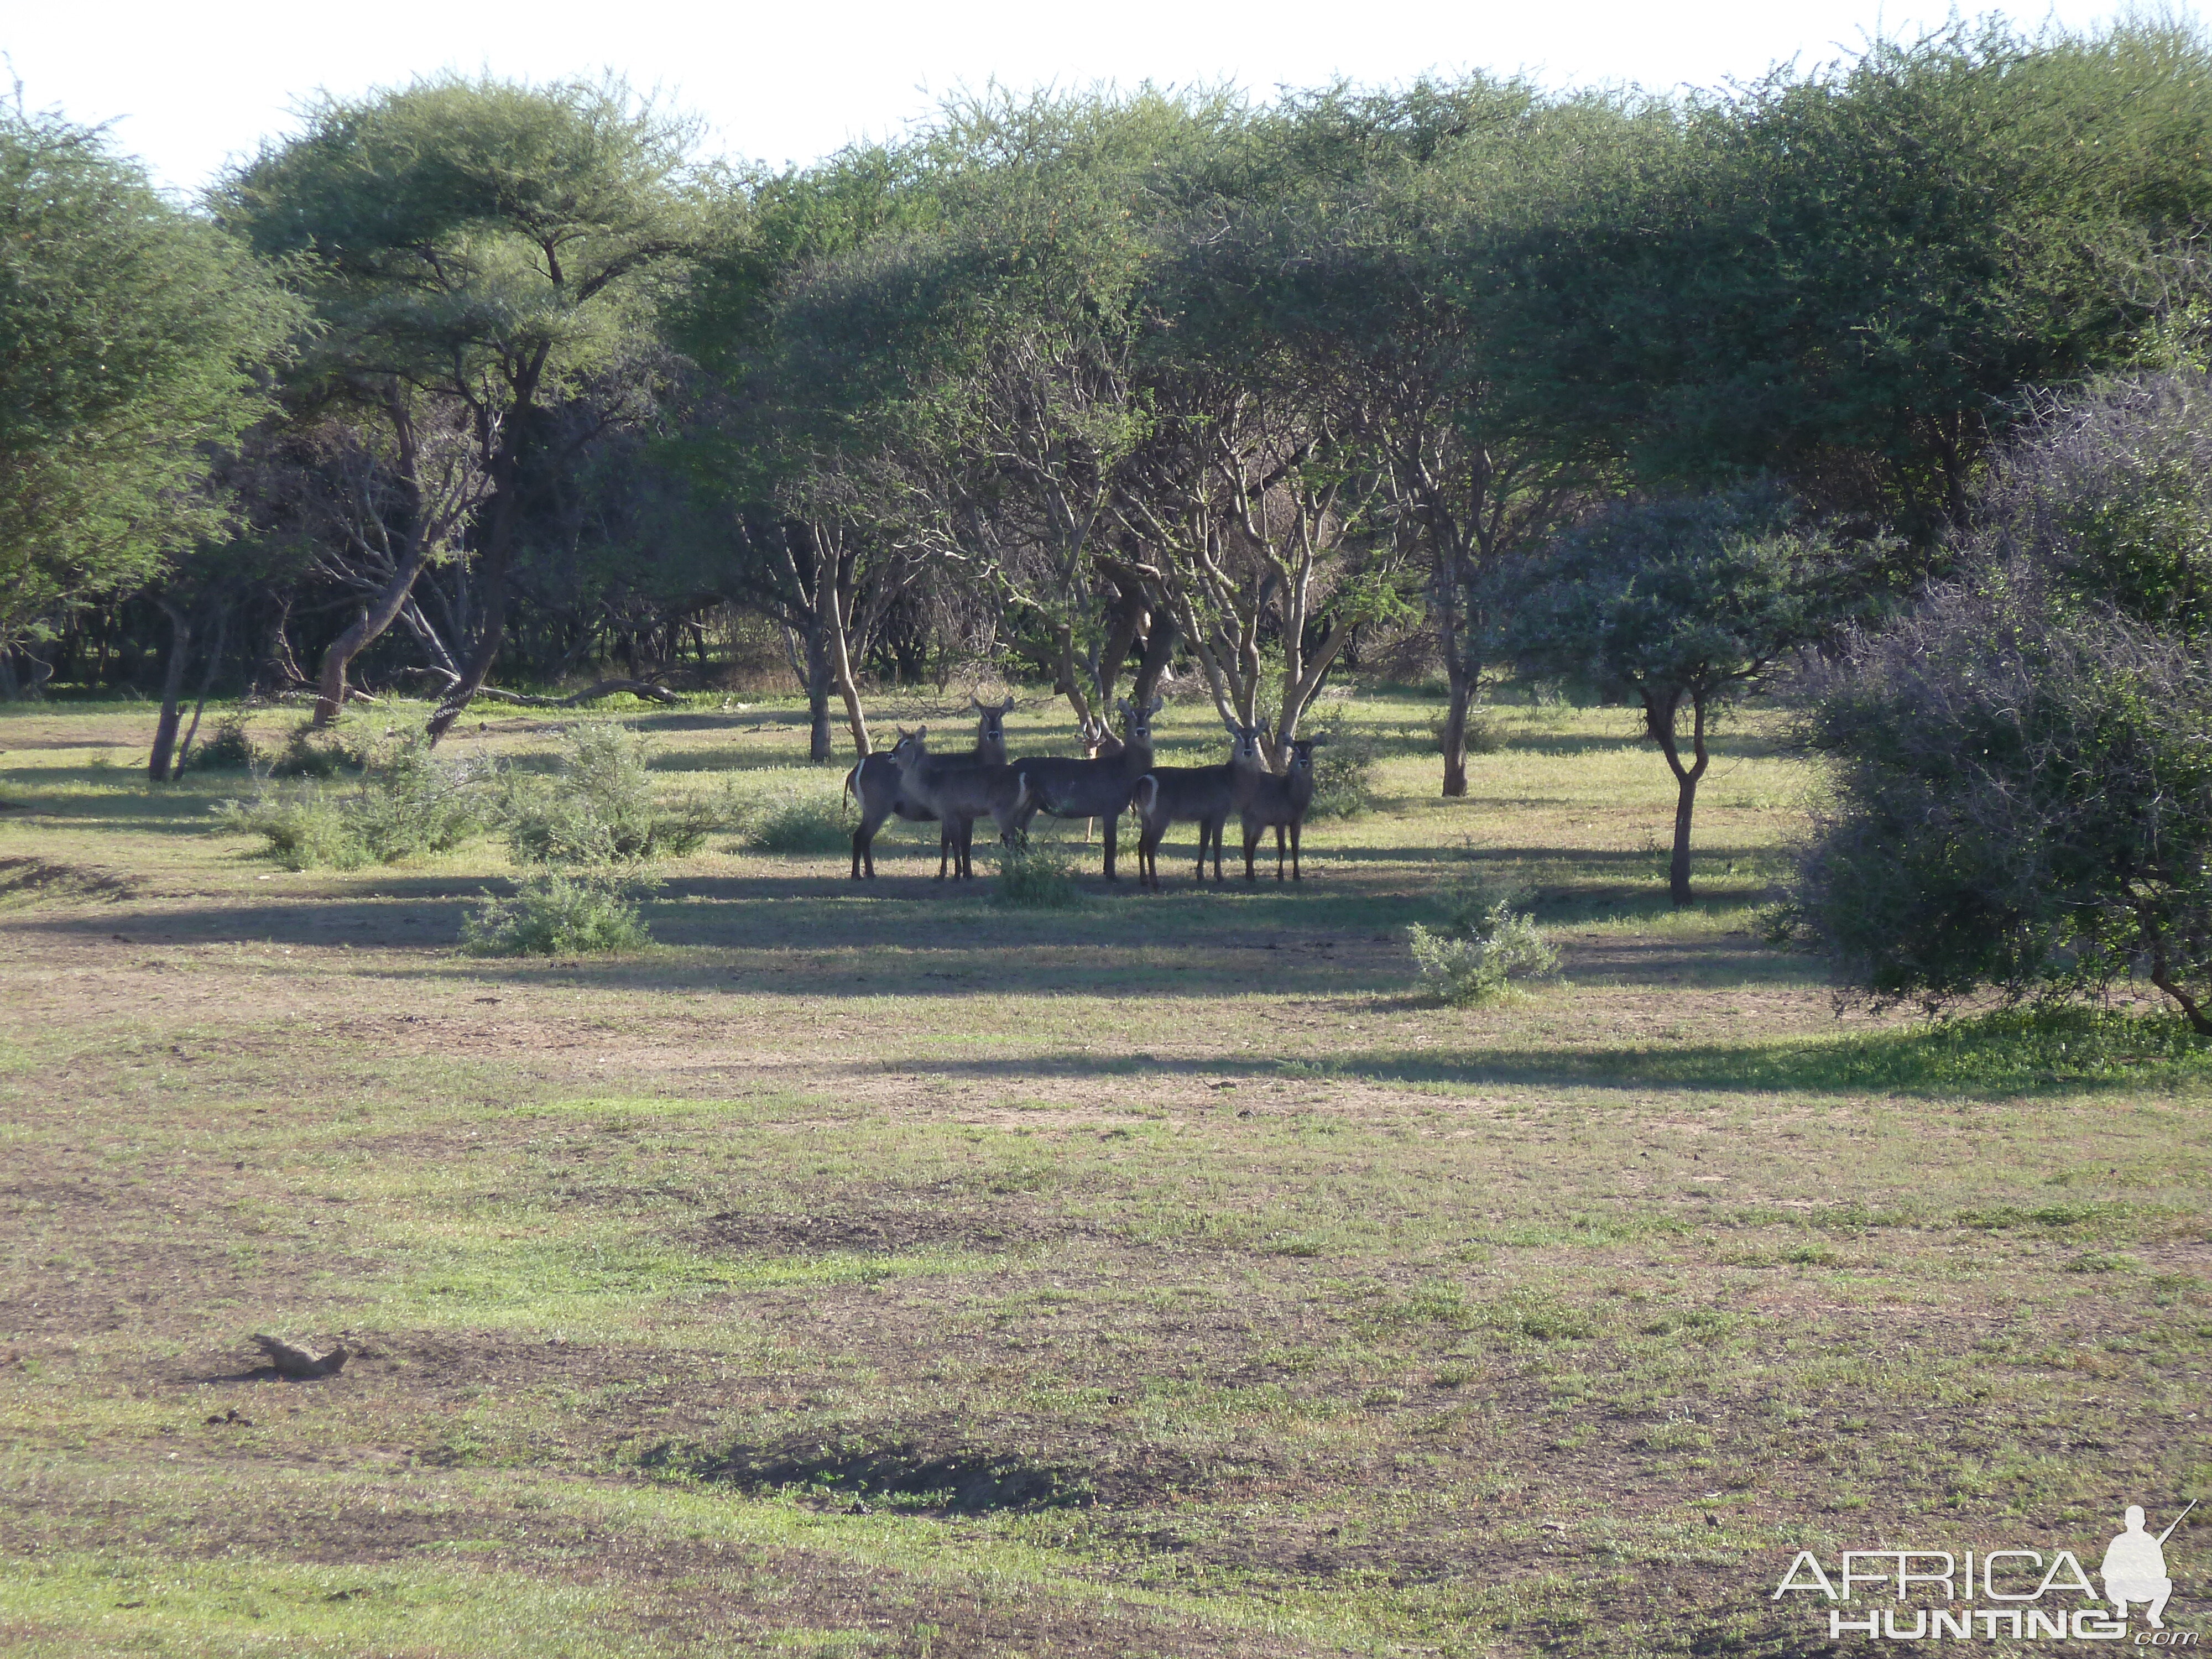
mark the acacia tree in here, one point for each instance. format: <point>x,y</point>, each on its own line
<point>783,445</point>
<point>481,244</point>
<point>135,341</point>
<point>1366,273</point>
<point>1684,603</point>
<point>1846,277</point>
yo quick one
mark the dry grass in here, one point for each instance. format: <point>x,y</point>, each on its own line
<point>891,1271</point>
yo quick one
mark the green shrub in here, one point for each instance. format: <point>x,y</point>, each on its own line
<point>228,748</point>
<point>1343,768</point>
<point>407,801</point>
<point>326,753</point>
<point>1487,939</point>
<point>1037,876</point>
<point>304,827</point>
<point>556,916</point>
<point>1480,968</point>
<point>794,821</point>
<point>599,809</point>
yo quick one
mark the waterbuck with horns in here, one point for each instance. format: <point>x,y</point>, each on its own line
<point>1204,795</point>
<point>956,793</point>
<point>874,783</point>
<point>1268,801</point>
<point>1092,788</point>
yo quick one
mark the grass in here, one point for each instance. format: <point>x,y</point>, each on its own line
<point>898,1271</point>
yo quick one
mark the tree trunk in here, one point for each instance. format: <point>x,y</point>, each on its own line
<point>818,676</point>
<point>1659,720</point>
<point>1159,651</point>
<point>834,577</point>
<point>173,688</point>
<point>1454,732</point>
<point>207,683</point>
<point>368,625</point>
<point>1066,669</point>
<point>493,604</point>
<point>2161,974</point>
<point>498,550</point>
<point>1678,868</point>
<point>1458,672</point>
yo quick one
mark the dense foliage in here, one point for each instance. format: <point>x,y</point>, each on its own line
<point>134,339</point>
<point>2023,764</point>
<point>1109,391</point>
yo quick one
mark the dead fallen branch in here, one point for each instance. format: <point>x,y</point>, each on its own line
<point>647,688</point>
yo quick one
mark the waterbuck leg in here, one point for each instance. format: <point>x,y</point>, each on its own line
<point>1251,846</point>
<point>864,844</point>
<point>1113,835</point>
<point>1294,876</point>
<point>1279,851</point>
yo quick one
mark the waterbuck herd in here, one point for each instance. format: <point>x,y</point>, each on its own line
<point>1116,775</point>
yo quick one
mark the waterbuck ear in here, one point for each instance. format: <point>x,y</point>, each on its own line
<point>1158,703</point>
<point>1009,707</point>
<point>979,703</point>
<point>1127,711</point>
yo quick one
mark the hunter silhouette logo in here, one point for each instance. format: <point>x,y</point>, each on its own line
<point>2018,1593</point>
<point>2135,1567</point>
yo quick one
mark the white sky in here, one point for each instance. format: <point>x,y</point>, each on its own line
<point>188,86</point>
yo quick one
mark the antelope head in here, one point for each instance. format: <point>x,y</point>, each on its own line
<point>907,752</point>
<point>1138,722</point>
<point>991,724</point>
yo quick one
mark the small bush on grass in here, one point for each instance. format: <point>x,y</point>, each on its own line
<point>1344,768</point>
<point>228,748</point>
<point>794,821</point>
<point>323,754</point>
<point>1037,876</point>
<point>599,810</point>
<point>556,916</point>
<point>1482,968</point>
<point>304,828</point>
<point>407,802</point>
<point>1488,938</point>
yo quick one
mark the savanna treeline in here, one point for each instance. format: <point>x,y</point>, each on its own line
<point>474,389</point>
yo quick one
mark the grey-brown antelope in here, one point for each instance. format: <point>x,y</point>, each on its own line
<point>874,783</point>
<point>1268,801</point>
<point>1204,795</point>
<point>1097,788</point>
<point>956,792</point>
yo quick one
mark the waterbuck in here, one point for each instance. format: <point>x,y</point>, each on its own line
<point>1204,795</point>
<point>1268,801</point>
<point>956,792</point>
<point>1091,788</point>
<point>874,783</point>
